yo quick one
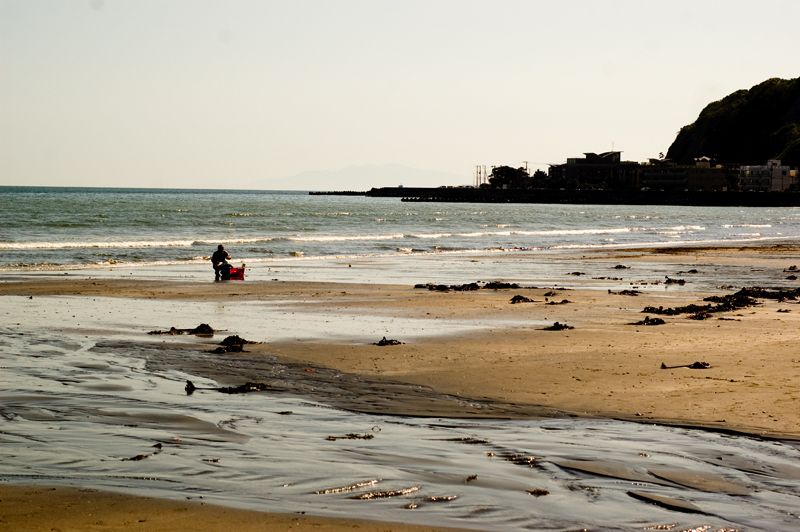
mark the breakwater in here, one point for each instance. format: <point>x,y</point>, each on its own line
<point>591,197</point>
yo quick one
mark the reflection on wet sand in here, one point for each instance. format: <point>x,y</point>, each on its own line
<point>461,422</point>
<point>489,470</point>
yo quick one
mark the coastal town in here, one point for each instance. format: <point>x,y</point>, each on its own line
<point>607,171</point>
<point>605,178</point>
<point>742,150</point>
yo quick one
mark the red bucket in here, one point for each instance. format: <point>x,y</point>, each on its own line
<point>237,274</point>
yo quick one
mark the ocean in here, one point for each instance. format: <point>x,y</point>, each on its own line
<point>56,228</point>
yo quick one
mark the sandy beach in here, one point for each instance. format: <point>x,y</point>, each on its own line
<point>32,508</point>
<point>603,367</point>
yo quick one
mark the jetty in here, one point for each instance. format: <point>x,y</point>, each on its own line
<point>589,197</point>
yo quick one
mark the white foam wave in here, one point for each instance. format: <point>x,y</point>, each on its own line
<point>430,235</point>
<point>330,238</point>
<point>679,230</point>
<point>688,244</point>
<point>344,238</point>
<point>684,228</point>
<point>543,233</point>
<point>578,232</point>
<point>400,252</point>
<point>89,245</point>
<point>126,244</point>
<point>746,226</point>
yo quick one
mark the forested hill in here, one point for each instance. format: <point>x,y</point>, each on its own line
<point>746,127</point>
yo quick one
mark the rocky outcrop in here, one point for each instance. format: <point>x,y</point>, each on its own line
<point>749,126</point>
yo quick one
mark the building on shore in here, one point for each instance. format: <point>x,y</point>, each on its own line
<point>770,177</point>
<point>607,171</point>
<point>702,176</point>
<point>595,171</point>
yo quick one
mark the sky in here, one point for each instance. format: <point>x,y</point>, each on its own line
<point>325,94</point>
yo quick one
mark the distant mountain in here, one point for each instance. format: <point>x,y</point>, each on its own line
<point>746,127</point>
<point>364,178</point>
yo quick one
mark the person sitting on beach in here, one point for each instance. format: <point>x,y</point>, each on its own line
<point>218,260</point>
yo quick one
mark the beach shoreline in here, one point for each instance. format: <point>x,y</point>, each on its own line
<point>605,367</point>
<point>462,353</point>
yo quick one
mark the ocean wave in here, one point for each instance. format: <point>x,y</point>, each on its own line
<point>448,249</point>
<point>686,228</point>
<point>133,244</point>
<point>578,232</point>
<point>688,244</point>
<point>229,241</point>
<point>92,244</point>
<point>332,238</point>
<point>428,235</point>
<point>198,261</point>
<point>746,226</point>
<point>521,232</point>
<point>344,238</point>
<point>679,230</point>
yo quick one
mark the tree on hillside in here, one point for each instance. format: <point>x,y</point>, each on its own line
<point>540,179</point>
<point>746,127</point>
<point>508,177</point>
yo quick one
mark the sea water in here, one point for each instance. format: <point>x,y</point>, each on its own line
<point>52,228</point>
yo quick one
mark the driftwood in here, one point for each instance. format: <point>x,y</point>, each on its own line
<point>693,365</point>
<point>386,341</point>
<point>468,287</point>
<point>499,285</point>
<point>158,448</point>
<point>232,344</point>
<point>203,329</point>
<point>557,327</point>
<point>351,436</point>
<point>649,321</point>
<point>349,487</point>
<point>538,492</point>
<point>626,293</point>
<point>384,494</point>
<point>446,288</point>
<point>242,388</point>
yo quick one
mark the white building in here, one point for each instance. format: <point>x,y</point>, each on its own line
<point>771,177</point>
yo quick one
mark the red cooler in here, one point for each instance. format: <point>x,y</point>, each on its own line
<point>237,274</point>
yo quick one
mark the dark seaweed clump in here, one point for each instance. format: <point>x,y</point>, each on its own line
<point>468,287</point>
<point>746,297</point>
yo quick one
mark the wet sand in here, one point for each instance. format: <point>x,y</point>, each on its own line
<point>34,508</point>
<point>604,367</point>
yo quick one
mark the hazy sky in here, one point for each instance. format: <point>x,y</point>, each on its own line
<point>236,94</point>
